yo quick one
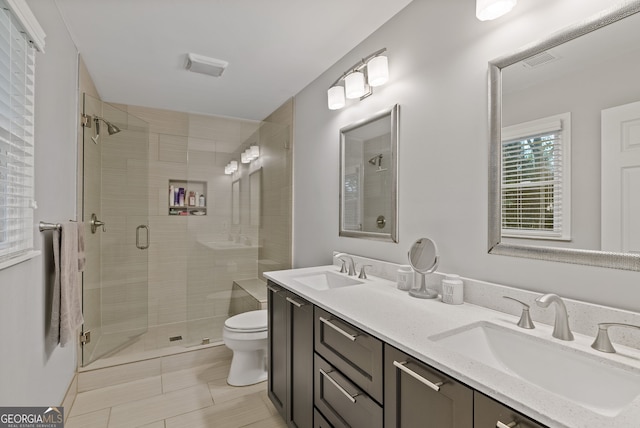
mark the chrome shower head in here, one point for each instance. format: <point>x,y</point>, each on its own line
<point>111,128</point>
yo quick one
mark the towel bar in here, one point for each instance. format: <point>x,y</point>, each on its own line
<point>49,226</point>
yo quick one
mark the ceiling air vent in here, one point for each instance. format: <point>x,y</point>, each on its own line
<point>202,64</point>
<point>538,60</point>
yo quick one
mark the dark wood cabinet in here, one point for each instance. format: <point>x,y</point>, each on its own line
<point>326,373</point>
<point>490,413</point>
<point>291,356</point>
<point>352,351</point>
<point>277,329</point>
<point>341,402</point>
<point>319,421</point>
<point>418,396</point>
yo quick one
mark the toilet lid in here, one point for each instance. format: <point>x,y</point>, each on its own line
<point>248,321</point>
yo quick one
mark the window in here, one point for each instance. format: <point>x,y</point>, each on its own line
<point>536,179</point>
<point>17,72</point>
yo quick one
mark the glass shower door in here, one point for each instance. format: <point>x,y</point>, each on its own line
<point>115,193</point>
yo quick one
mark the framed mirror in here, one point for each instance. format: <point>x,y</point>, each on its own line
<point>564,168</point>
<point>235,202</point>
<point>369,177</point>
<point>255,199</point>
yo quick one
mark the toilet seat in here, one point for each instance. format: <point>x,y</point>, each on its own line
<point>248,322</point>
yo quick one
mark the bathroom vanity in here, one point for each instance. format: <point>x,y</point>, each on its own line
<point>348,352</point>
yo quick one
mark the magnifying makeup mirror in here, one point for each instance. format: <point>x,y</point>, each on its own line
<point>423,258</point>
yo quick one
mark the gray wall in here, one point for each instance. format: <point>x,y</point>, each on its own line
<point>30,373</point>
<point>438,54</point>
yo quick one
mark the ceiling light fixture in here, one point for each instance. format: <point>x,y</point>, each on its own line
<point>358,80</point>
<point>486,10</point>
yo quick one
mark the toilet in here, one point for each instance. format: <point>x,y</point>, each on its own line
<point>246,335</point>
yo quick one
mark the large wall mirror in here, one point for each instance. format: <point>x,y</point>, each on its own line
<point>235,202</point>
<point>255,197</point>
<point>564,173</point>
<point>369,177</point>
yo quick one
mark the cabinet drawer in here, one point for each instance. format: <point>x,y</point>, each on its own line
<point>352,351</point>
<point>319,421</point>
<point>488,412</point>
<point>343,404</point>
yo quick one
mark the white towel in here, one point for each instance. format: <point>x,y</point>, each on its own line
<point>66,312</point>
<point>81,255</point>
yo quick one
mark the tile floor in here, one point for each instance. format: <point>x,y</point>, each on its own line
<point>198,397</point>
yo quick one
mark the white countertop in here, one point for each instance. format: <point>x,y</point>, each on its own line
<point>382,310</point>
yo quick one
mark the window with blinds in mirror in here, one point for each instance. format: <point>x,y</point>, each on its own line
<point>17,61</point>
<point>536,179</point>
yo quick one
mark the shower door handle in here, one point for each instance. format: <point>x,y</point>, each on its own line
<point>146,228</point>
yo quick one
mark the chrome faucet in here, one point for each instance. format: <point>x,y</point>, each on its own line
<point>561,328</point>
<point>352,265</point>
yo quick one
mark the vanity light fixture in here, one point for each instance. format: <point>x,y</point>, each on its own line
<point>486,10</point>
<point>255,152</point>
<point>354,86</point>
<point>378,70</point>
<point>358,80</point>
<point>231,167</point>
<point>336,97</point>
<point>251,153</point>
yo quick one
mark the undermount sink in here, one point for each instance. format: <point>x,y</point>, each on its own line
<point>325,280</point>
<point>579,377</point>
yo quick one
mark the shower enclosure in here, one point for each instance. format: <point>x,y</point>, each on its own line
<point>166,273</point>
<point>115,214</point>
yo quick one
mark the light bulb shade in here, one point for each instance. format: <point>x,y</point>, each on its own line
<point>227,169</point>
<point>378,71</point>
<point>354,85</point>
<point>244,158</point>
<point>335,96</point>
<point>486,10</point>
<point>234,165</point>
<point>255,152</point>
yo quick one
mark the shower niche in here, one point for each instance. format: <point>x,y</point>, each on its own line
<point>187,197</point>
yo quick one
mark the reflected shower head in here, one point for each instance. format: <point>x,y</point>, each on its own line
<point>376,160</point>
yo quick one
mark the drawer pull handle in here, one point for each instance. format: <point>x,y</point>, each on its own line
<point>295,302</point>
<point>351,398</point>
<point>434,386</point>
<point>274,289</point>
<point>351,337</point>
<point>509,425</point>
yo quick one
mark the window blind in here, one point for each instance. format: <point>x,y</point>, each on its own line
<point>17,72</point>
<point>534,180</point>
